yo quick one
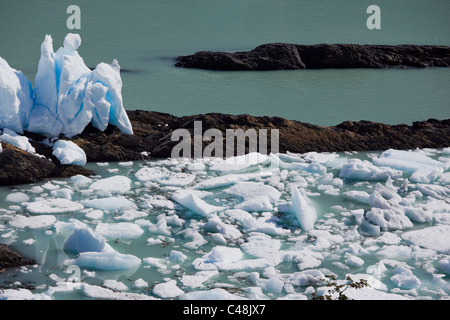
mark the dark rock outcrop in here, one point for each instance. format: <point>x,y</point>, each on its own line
<point>19,167</point>
<point>153,132</point>
<point>9,258</point>
<point>284,56</point>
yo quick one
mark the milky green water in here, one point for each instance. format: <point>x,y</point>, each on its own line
<point>145,36</point>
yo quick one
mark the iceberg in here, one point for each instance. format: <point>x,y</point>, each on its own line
<point>67,95</point>
<point>303,209</point>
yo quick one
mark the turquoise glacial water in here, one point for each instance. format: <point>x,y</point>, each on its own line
<point>145,36</point>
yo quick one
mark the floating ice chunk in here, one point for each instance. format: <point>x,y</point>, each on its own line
<point>445,265</point>
<point>423,168</point>
<point>434,238</point>
<point>322,157</point>
<point>160,227</point>
<point>84,240</point>
<point>394,252</point>
<point>404,278</point>
<point>37,222</point>
<point>69,153</point>
<point>389,219</point>
<point>229,179</point>
<point>17,197</point>
<point>223,254</point>
<point>22,294</point>
<point>190,200</point>
<point>213,294</point>
<point>239,163</point>
<point>115,285</point>
<point>303,210</point>
<point>53,206</point>
<point>110,203</point>
<point>167,289</point>
<point>257,196</point>
<point>250,223</point>
<point>105,260</point>
<point>409,161</point>
<point>165,177</point>
<point>97,292</point>
<point>260,245</point>
<point>119,230</point>
<point>197,280</point>
<point>435,191</point>
<point>356,169</point>
<point>354,261</point>
<point>313,167</point>
<point>115,184</point>
<point>215,224</point>
<point>356,195</point>
<point>80,180</point>
<point>16,140</point>
<point>272,285</point>
<point>304,278</point>
<point>140,284</point>
<point>15,98</point>
<point>94,215</point>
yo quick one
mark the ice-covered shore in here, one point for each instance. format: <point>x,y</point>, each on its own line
<point>273,230</point>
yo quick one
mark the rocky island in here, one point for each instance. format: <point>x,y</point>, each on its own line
<point>285,56</point>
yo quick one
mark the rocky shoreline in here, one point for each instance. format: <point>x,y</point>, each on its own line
<point>153,130</point>
<point>285,56</point>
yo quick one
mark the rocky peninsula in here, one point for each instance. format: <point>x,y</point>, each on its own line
<point>153,131</point>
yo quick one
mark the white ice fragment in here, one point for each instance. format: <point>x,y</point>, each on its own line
<point>53,206</point>
<point>35,222</point>
<point>434,238</point>
<point>354,261</point>
<point>167,289</point>
<point>212,294</point>
<point>423,168</point>
<point>97,292</point>
<point>445,265</point>
<point>105,260</point>
<point>68,153</point>
<point>257,196</point>
<point>80,180</point>
<point>17,197</point>
<point>357,169</point>
<point>197,280</point>
<point>404,278</point>
<point>229,179</point>
<point>239,163</point>
<point>303,209</point>
<point>114,184</point>
<point>164,177</point>
<point>16,140</point>
<point>140,284</point>
<point>119,230</point>
<point>109,203</point>
<point>190,200</point>
<point>115,285</point>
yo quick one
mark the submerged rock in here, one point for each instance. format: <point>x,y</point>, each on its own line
<point>285,56</point>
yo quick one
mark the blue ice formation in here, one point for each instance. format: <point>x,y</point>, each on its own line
<point>67,95</point>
